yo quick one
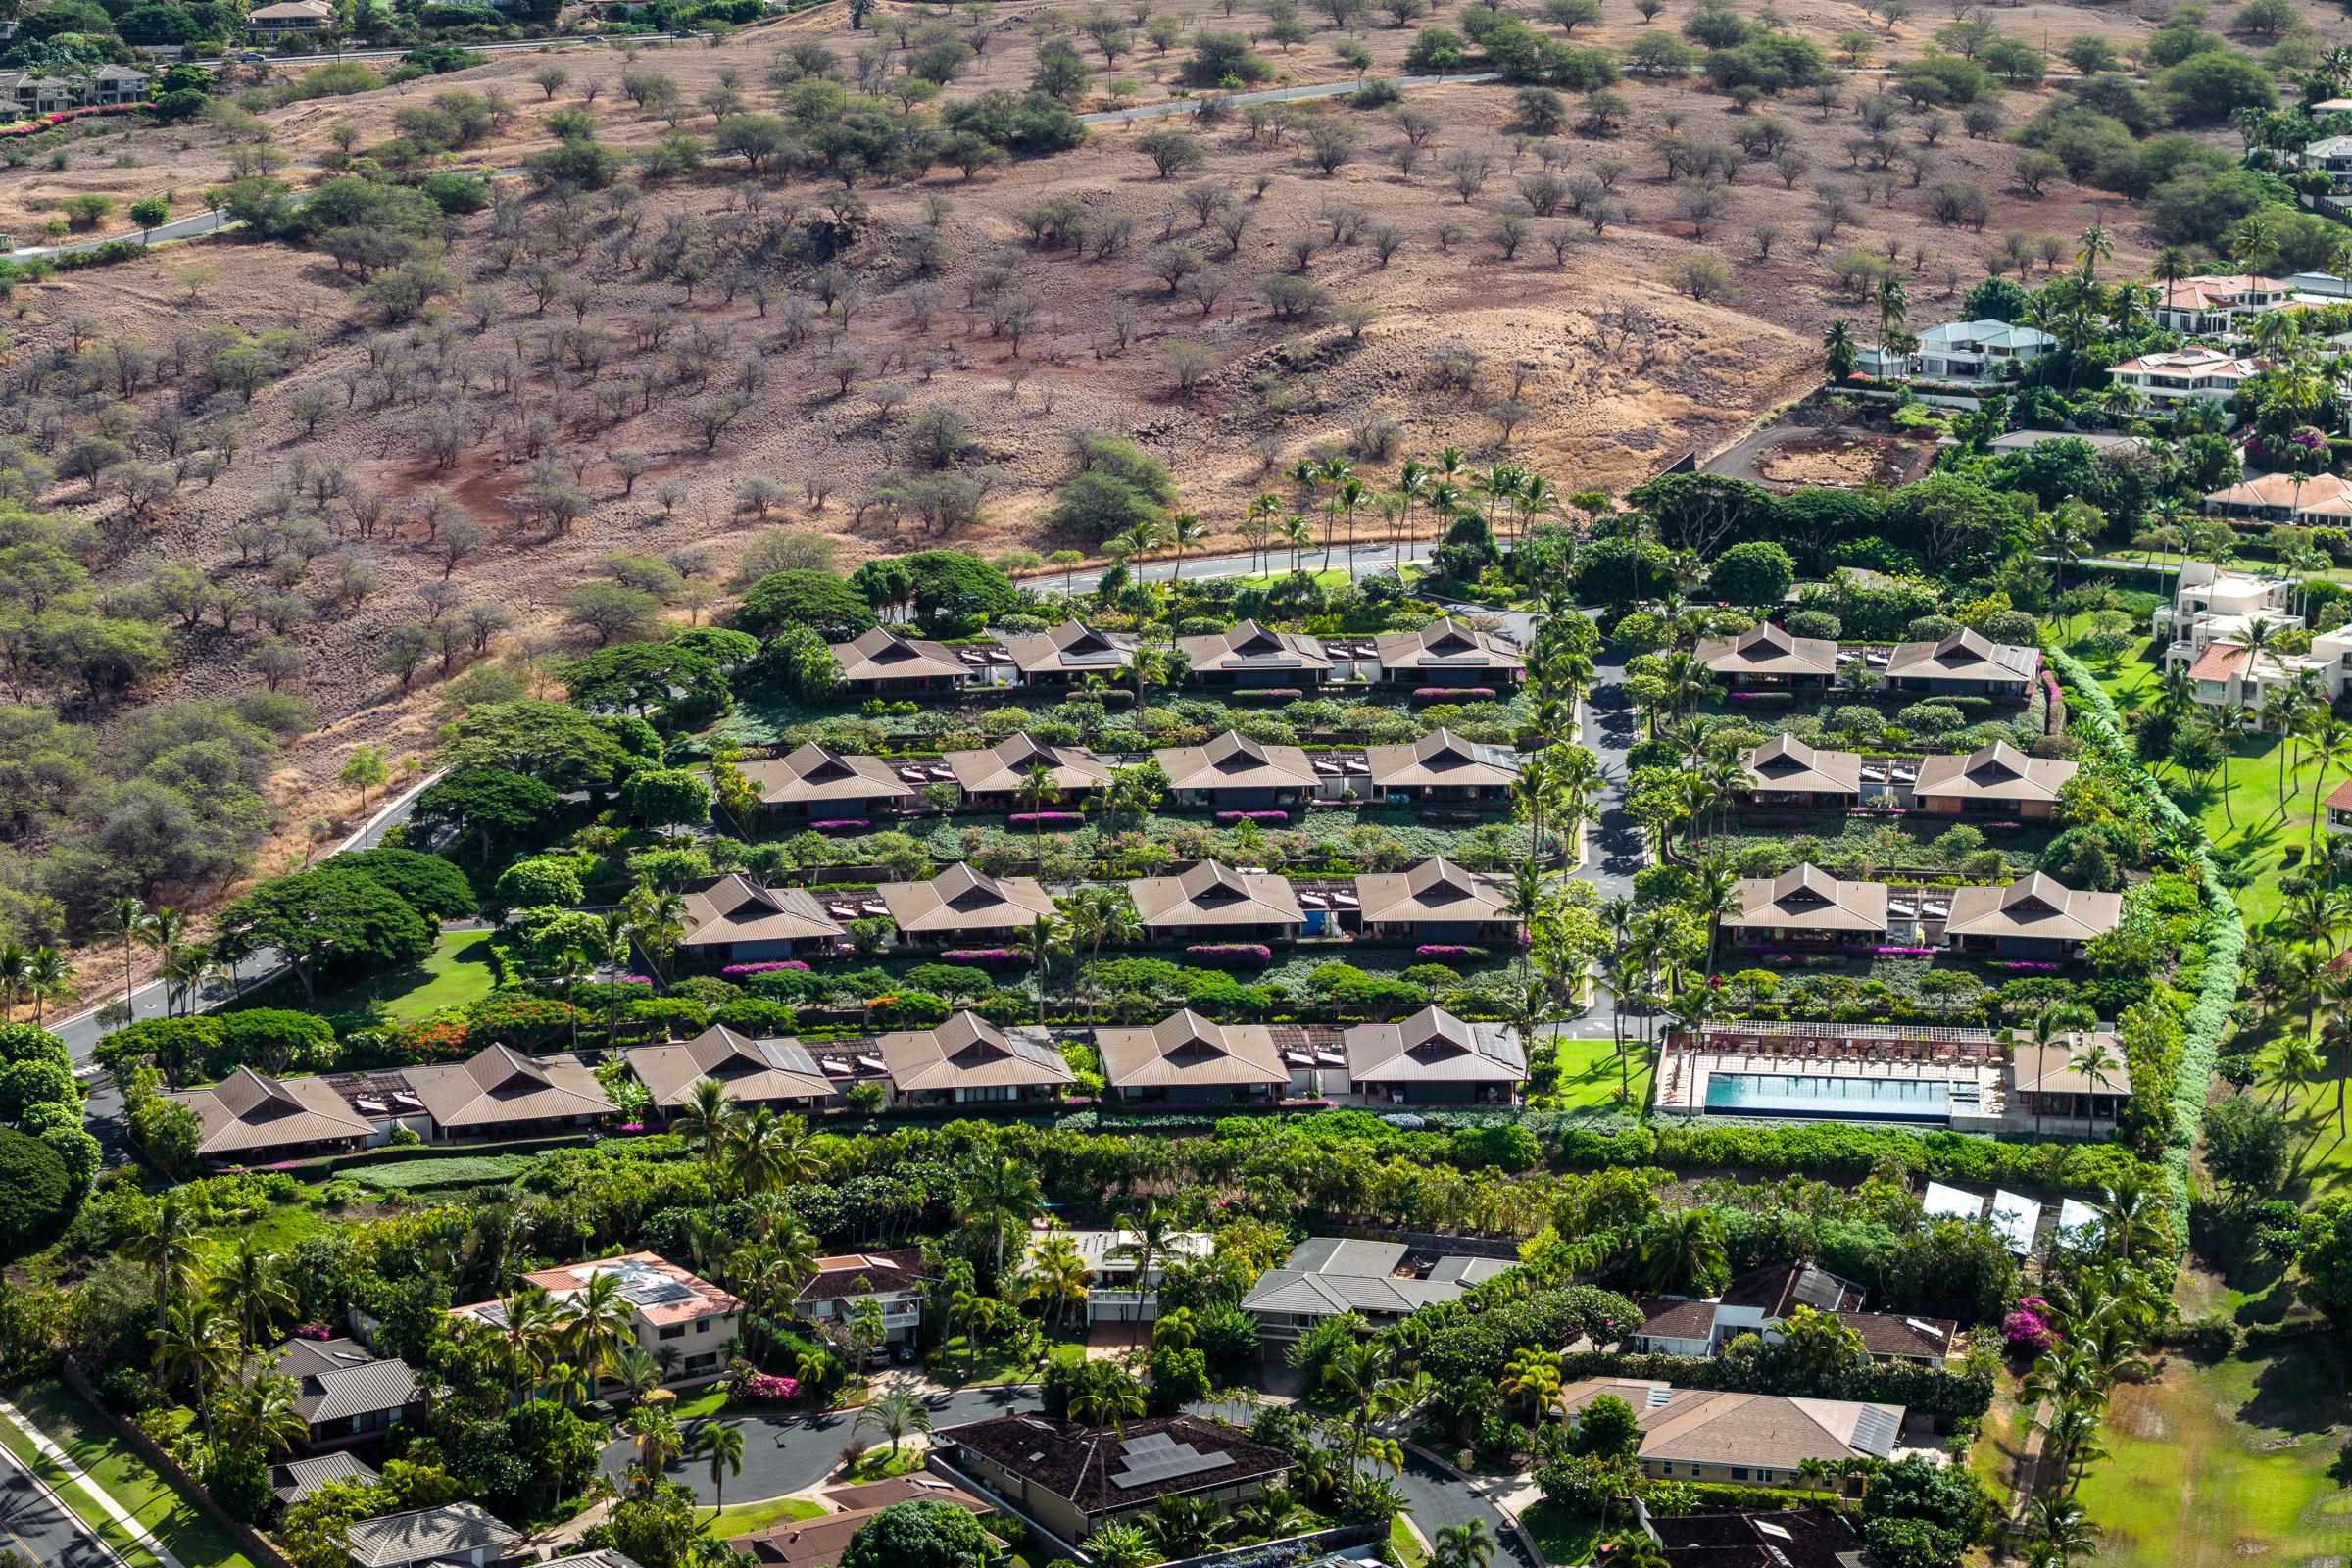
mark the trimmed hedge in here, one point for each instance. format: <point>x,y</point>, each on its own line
<point>2093,716</point>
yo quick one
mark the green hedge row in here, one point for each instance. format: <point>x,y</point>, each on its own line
<point>2092,715</point>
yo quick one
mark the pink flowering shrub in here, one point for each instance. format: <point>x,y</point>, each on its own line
<point>1454,694</point>
<point>986,958</point>
<point>841,824</point>
<point>2027,1330</point>
<point>313,1331</point>
<point>1044,818</point>
<point>1231,954</point>
<point>741,972</point>
<point>767,1387</point>
<point>1270,693</point>
<point>1444,952</point>
<point>35,127</point>
<point>1229,817</point>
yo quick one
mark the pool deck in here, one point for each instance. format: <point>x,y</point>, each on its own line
<point>1683,1085</point>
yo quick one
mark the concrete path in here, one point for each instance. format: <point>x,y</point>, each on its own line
<point>76,1476</point>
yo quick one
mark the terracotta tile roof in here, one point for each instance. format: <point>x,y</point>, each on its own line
<point>2282,490</point>
<point>852,1275</point>
<point>661,1290</point>
<point>2219,662</point>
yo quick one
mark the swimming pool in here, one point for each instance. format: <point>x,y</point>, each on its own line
<point>1821,1098</point>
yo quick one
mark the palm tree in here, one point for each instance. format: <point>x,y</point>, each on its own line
<point>252,1292</point>
<point>723,1445</point>
<point>1045,939</point>
<point>898,1412</point>
<point>709,1118</point>
<point>124,918</point>
<point>999,1193</point>
<point>48,977</point>
<point>1186,1527</point>
<point>1058,1276</point>
<point>2095,1061</point>
<point>658,1441</point>
<point>1105,1396</point>
<point>1121,1546</point>
<point>1533,1375</point>
<point>2171,266</point>
<point>261,1415</point>
<point>1681,1250</point>
<point>637,1373</point>
<point>533,1325</point>
<point>1464,1545</point>
<point>1036,791</point>
<point>2062,1528</point>
<point>772,1152</point>
<point>598,1323</point>
<point>170,1251</point>
<point>1362,1376</point>
<point>2095,248</point>
<point>193,1343</point>
<point>2331,749</point>
<point>1184,532</point>
<point>1299,534</point>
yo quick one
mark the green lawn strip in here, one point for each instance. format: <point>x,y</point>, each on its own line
<point>82,1505</point>
<point>456,972</point>
<point>880,1465</point>
<point>434,1171</point>
<point>745,1518</point>
<point>708,1402</point>
<point>1589,1077</point>
<point>2322,1152</point>
<point>167,1513</point>
<point>2211,1465</point>
<point>1405,1544</point>
<point>1565,1538</point>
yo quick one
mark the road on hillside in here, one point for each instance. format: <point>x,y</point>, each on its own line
<point>32,1523</point>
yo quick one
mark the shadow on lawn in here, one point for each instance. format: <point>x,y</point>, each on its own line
<point>2298,1384</point>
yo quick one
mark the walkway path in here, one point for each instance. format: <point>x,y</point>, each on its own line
<point>74,1473</point>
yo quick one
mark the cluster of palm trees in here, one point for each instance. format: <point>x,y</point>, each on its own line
<point>36,975</point>
<point>183,966</point>
<point>2102,1315</point>
<point>209,1327</point>
<point>1447,485</point>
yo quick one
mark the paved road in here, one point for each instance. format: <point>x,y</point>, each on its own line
<point>32,1524</point>
<point>784,1454</point>
<point>1371,560</point>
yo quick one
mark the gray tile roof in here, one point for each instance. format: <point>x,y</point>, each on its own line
<point>1328,1275</point>
<point>337,1378</point>
<point>424,1534</point>
<point>297,1479</point>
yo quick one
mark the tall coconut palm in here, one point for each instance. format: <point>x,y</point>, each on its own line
<point>196,1343</point>
<point>1464,1545</point>
<point>722,1445</point>
<point>253,1293</point>
<point>1058,1277</point>
<point>1145,1237</point>
<point>2095,1061</point>
<point>708,1119</point>
<point>2171,266</point>
<point>658,1441</point>
<point>773,1151</point>
<point>171,1249</point>
<point>599,1324</point>
<point>533,1326</point>
<point>124,918</point>
<point>1681,1253</point>
<point>1184,532</point>
<point>48,978</point>
<point>1036,791</point>
<point>1045,939</point>
<point>1362,1376</point>
<point>999,1193</point>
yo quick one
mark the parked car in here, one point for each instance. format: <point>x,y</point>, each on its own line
<point>904,1354</point>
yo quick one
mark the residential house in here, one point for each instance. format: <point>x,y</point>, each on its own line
<point>452,1535</point>
<point>1437,901</point>
<point>1972,351</point>
<point>1441,768</point>
<point>675,1316</point>
<point>2218,304</point>
<point>2330,156</point>
<point>1785,1538</point>
<point>500,1093</point>
<point>1235,772</point>
<point>992,777</point>
<point>2313,501</point>
<point>2035,917</point>
<point>250,1119</point>
<point>290,15</point>
<point>1760,1301</point>
<point>893,1280</point>
<point>1184,1059</point>
<point>736,918</point>
<point>2228,675</point>
<point>883,664</point>
<point>1966,663</point>
<point>2213,604</point>
<point>2054,1083</point>
<point>1384,1282</point>
<point>2170,377</point>
<point>346,1394</point>
<point>2338,806</point>
<point>1071,1481</point>
<point>31,92</point>
<point>1768,657</point>
<point>1251,655</point>
<point>778,1073</point>
<point>1124,1288</point>
<point>969,1061</point>
<point>1433,1059</point>
<point>1450,653</point>
<point>1069,652</point>
<point>964,907</point>
<point>1786,771</point>
<point>1756,1439</point>
<point>118,85</point>
<point>297,1479</point>
<point>816,781</point>
<point>1996,780</point>
<point>1212,903</point>
<point>819,1542</point>
<point>1807,907</point>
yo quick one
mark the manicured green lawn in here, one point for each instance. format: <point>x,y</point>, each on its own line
<point>2214,1465</point>
<point>456,972</point>
<point>166,1511</point>
<point>744,1518</point>
<point>705,1402</point>
<point>2321,1153</point>
<point>1589,1077</point>
<point>1405,1544</point>
<point>1565,1538</point>
<point>2248,812</point>
<point>879,1464</point>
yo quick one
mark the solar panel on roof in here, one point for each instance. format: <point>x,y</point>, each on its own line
<point>1149,1443</point>
<point>1874,1431</point>
<point>1818,1291</point>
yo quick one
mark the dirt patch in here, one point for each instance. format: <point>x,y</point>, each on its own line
<point>1834,462</point>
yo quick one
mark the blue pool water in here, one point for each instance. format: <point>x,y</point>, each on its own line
<point>1827,1098</point>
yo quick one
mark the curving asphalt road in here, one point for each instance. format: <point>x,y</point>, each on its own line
<point>32,1523</point>
<point>790,1453</point>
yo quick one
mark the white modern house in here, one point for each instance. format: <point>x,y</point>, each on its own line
<point>2330,156</point>
<point>2215,604</point>
<point>2193,374</point>
<point>1962,351</point>
<point>2228,675</point>
<point>1115,1294</point>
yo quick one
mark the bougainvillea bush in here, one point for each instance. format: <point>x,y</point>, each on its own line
<point>1449,953</point>
<point>1046,818</point>
<point>1454,694</point>
<point>742,971</point>
<point>1253,816</point>
<point>986,958</point>
<point>2027,1330</point>
<point>1230,954</point>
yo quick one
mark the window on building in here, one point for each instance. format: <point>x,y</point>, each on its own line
<point>672,1330</point>
<point>1738,1472</point>
<point>702,1325</point>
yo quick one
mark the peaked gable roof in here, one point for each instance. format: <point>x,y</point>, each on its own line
<point>1768,649</point>
<point>2033,905</point>
<point>1435,889</point>
<point>1447,644</point>
<point>963,898</point>
<point>1251,646</point>
<point>749,1070</point>
<point>813,773</point>
<point>1996,772</point>
<point>1186,1049</point>
<point>1071,648</point>
<point>1211,893</point>
<point>499,1085</point>
<point>883,655</point>
<point>1785,763</point>
<point>1432,1046</point>
<point>1233,761</point>
<point>967,1052</point>
<point>1442,758</point>
<point>737,908</point>
<point>1965,655</point>
<point>1807,898</point>
<point>1002,768</point>
<point>247,1112</point>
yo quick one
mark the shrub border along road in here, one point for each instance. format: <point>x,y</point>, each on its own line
<point>2096,720</point>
